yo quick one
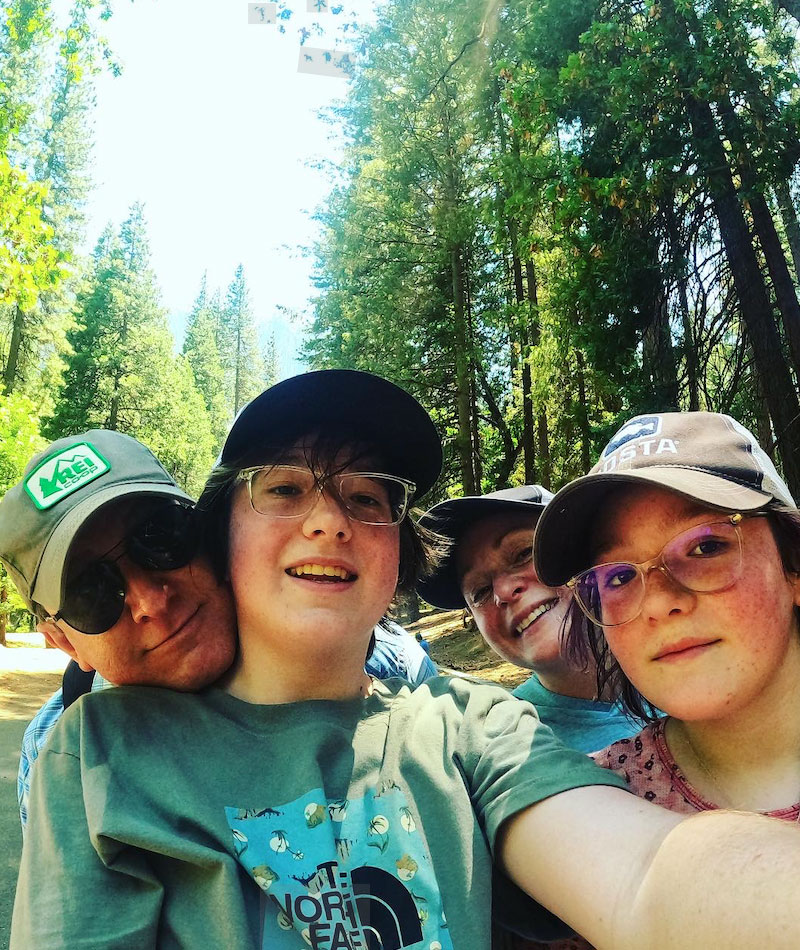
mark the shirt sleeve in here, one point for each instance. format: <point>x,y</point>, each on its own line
<point>512,760</point>
<point>71,894</point>
<point>33,741</point>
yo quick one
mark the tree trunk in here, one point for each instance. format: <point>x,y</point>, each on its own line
<point>658,353</point>
<point>113,411</point>
<point>583,414</point>
<point>763,424</point>
<point>10,373</point>
<point>790,225</point>
<point>462,367</point>
<point>475,435</point>
<point>526,440</point>
<point>779,390</point>
<point>531,338</point>
<point>543,439</point>
<point>681,268</point>
<point>767,234</point>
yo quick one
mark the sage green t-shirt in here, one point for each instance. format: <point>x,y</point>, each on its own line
<point>160,819</point>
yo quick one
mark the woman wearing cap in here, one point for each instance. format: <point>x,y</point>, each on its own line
<point>304,803</point>
<point>683,554</point>
<point>488,570</point>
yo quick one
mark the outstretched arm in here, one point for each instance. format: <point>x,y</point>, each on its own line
<point>628,874</point>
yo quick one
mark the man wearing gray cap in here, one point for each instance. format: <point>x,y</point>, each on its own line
<point>101,544</point>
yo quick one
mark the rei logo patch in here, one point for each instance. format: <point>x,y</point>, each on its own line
<point>62,474</point>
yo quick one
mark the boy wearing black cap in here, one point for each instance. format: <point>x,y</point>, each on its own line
<point>488,570</point>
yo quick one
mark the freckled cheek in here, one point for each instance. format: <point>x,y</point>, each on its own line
<point>628,648</point>
<point>754,621</point>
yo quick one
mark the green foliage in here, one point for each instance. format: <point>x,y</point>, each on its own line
<point>44,143</point>
<point>526,232</point>
<point>122,373</point>
<point>19,438</point>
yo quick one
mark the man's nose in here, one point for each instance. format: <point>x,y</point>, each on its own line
<point>146,592</point>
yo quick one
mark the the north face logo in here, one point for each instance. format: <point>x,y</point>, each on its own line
<point>62,474</point>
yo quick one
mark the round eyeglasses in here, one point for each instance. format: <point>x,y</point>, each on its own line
<point>706,558</point>
<point>291,491</point>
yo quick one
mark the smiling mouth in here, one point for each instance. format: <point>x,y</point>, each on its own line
<point>322,573</point>
<point>178,630</point>
<point>534,615</point>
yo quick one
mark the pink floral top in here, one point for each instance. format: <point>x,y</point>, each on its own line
<point>645,761</point>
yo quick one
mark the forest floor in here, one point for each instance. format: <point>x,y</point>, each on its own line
<point>459,648</point>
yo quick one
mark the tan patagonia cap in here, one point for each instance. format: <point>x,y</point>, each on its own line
<point>705,456</point>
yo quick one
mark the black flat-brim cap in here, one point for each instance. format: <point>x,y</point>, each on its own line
<point>360,405</point>
<point>452,518</point>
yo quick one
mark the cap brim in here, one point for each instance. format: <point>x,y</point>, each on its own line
<point>451,519</point>
<point>377,411</point>
<point>561,542</point>
<point>48,588</point>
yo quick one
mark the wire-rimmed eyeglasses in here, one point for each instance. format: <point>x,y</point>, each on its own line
<point>705,558</point>
<point>291,491</point>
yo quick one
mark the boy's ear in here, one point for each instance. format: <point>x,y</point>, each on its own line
<point>57,638</point>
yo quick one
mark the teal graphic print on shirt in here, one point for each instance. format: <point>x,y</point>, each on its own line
<point>352,874</point>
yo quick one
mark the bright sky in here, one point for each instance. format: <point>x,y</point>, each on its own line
<point>212,127</point>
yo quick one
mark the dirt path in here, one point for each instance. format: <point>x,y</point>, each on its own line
<point>28,676</point>
<point>456,647</point>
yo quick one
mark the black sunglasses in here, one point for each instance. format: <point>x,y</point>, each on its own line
<point>167,539</point>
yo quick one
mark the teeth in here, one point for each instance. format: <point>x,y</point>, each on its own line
<point>319,570</point>
<point>535,614</point>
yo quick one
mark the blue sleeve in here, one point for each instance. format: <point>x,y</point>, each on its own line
<point>397,653</point>
<point>33,741</point>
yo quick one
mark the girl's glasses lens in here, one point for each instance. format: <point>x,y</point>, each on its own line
<point>705,559</point>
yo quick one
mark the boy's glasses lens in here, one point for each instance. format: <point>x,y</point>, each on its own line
<point>705,559</point>
<point>95,598</point>
<point>288,491</point>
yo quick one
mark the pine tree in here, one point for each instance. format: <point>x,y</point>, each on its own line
<point>123,374</point>
<point>238,345</point>
<point>202,354</point>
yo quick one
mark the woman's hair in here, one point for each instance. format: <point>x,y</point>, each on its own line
<point>325,455</point>
<point>584,640</point>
